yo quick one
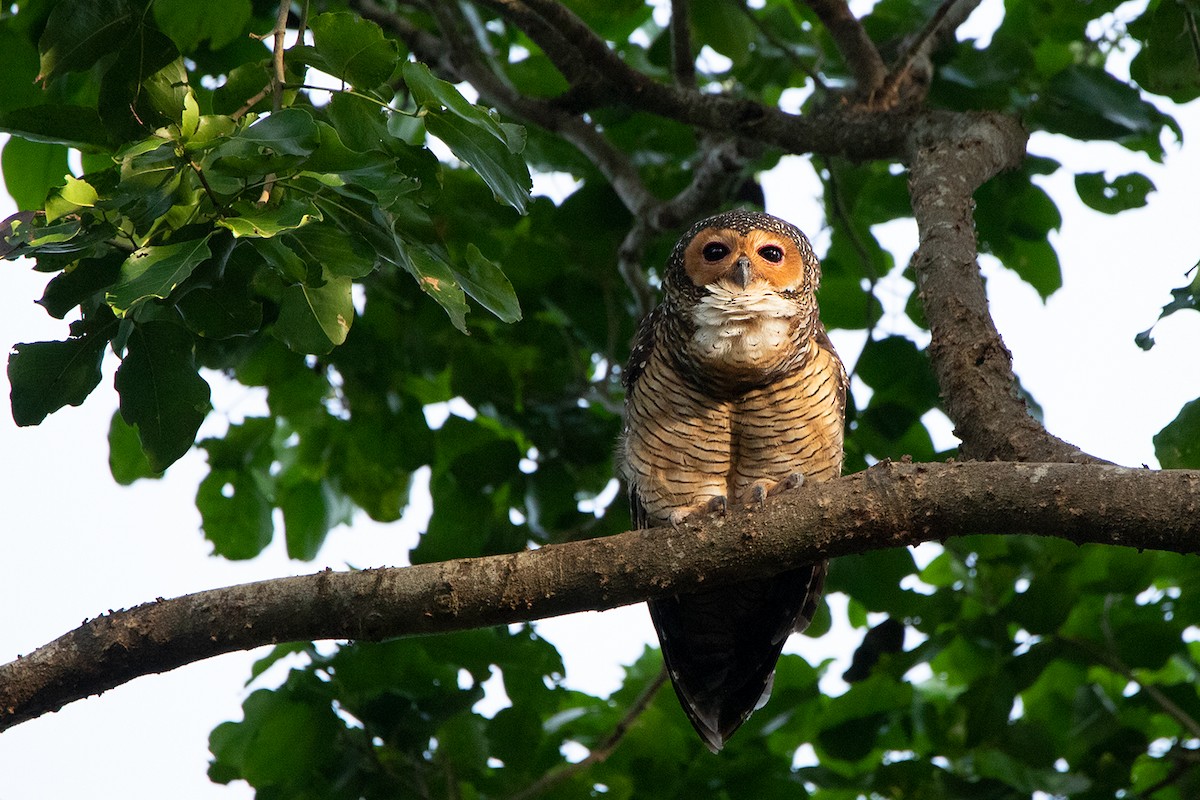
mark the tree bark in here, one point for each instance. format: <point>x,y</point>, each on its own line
<point>888,505</point>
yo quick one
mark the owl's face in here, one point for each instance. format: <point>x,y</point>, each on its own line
<point>741,251</point>
<point>743,286</point>
<point>737,261</point>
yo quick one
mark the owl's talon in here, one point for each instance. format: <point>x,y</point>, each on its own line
<point>717,505</point>
<point>757,496</point>
<point>793,481</point>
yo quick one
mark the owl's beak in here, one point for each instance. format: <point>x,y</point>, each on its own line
<point>741,272</point>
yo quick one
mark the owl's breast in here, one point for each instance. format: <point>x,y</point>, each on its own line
<point>744,332</point>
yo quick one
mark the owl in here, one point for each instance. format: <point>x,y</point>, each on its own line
<point>733,393</point>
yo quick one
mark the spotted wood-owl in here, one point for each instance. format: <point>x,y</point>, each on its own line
<point>733,392</point>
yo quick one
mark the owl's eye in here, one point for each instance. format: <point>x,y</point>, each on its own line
<point>771,253</point>
<point>714,251</point>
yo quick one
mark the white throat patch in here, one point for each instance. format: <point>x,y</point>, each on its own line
<point>742,328</point>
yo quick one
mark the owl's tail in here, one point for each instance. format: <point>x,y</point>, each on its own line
<point>721,646</point>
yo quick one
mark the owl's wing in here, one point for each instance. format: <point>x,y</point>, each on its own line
<point>639,357</point>
<point>721,646</point>
<point>643,347</point>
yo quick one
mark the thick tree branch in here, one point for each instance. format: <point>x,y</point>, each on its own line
<point>564,38</point>
<point>973,367</point>
<point>889,505</point>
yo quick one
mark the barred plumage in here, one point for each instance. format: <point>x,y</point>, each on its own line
<point>733,391</point>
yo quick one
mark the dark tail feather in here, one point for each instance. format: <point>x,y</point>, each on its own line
<point>721,646</point>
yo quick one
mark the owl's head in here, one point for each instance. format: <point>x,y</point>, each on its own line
<point>738,250</point>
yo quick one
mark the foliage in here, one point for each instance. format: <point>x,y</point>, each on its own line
<point>221,223</point>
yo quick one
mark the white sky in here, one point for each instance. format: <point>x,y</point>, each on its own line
<point>74,544</point>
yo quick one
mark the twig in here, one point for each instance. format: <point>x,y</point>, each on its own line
<point>1185,760</point>
<point>277,53</point>
<point>629,265</point>
<point>216,201</point>
<point>253,101</point>
<point>852,41</point>
<point>1153,692</point>
<point>602,751</point>
<point>838,201</point>
<point>554,28</point>
<point>277,81</point>
<point>683,62</point>
<point>946,19</point>
<point>720,163</point>
<point>786,48</point>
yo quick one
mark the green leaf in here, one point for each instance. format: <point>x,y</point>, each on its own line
<point>249,219</point>
<point>161,393</point>
<point>1088,103</point>
<point>79,282</point>
<point>144,87</point>
<point>724,26</point>
<point>291,130</point>
<point>337,251</point>
<point>1168,62</point>
<point>310,511</point>
<point>504,172</point>
<point>1014,220</point>
<point>436,279</point>
<point>434,93</point>
<point>32,169</point>
<point>279,141</point>
<point>218,21</point>
<point>221,312</point>
<point>78,193</point>
<point>154,271</point>
<point>614,20</point>
<point>126,459</point>
<point>79,33</point>
<point>898,372</point>
<point>45,376</point>
<point>243,83</point>
<point>235,513</point>
<point>473,135</point>
<point>484,281</point>
<point>74,126</point>
<point>354,49</point>
<point>1177,446</point>
<point>1112,197</point>
<point>315,319</point>
<point>1182,299</point>
<point>18,63</point>
<point>277,654</point>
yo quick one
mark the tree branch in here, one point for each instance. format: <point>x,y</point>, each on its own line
<point>888,505</point>
<point>852,41</point>
<point>683,61</point>
<point>564,38</point>
<point>973,367</point>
